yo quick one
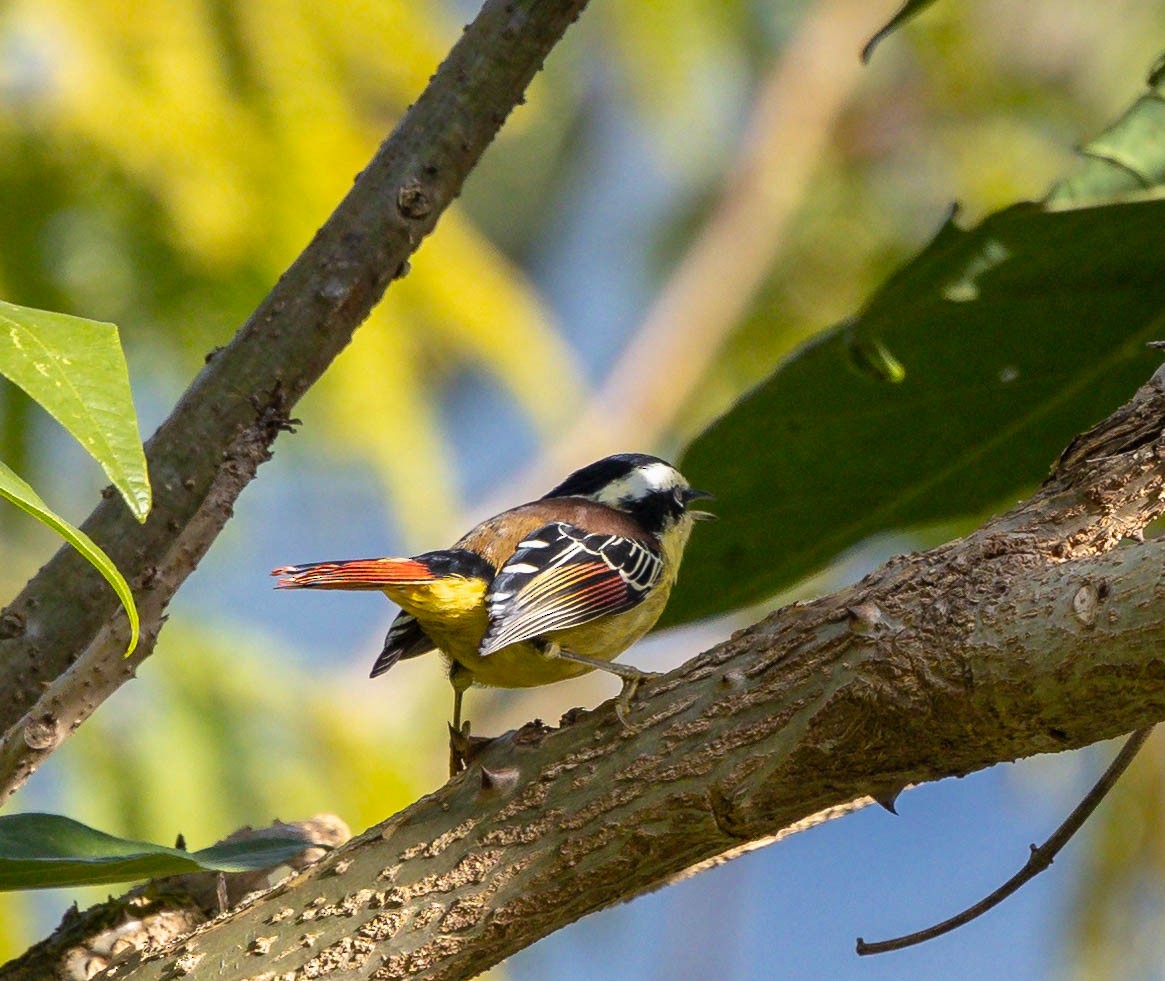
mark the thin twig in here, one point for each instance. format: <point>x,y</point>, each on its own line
<point>1039,860</point>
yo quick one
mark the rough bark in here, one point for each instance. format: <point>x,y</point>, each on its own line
<point>62,638</point>
<point>1041,631</point>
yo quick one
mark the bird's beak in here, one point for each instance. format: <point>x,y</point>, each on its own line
<point>691,494</point>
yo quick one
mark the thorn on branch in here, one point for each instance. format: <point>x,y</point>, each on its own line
<point>413,201</point>
<point>888,799</point>
<point>732,679</point>
<point>11,624</point>
<point>495,782</point>
<point>864,618</point>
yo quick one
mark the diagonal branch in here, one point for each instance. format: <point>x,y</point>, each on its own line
<point>1034,634</point>
<point>60,638</point>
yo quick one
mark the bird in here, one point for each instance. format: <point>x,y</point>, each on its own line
<point>545,591</point>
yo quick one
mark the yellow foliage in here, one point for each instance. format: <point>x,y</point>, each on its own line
<point>246,123</point>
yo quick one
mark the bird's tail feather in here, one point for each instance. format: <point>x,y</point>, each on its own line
<point>353,574</point>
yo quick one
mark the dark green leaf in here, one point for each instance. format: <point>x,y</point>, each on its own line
<point>908,10</point>
<point>1013,337</point>
<point>39,851</point>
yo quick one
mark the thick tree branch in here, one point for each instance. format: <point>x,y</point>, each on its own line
<point>1034,634</point>
<point>61,639</point>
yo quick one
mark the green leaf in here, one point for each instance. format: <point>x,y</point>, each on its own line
<point>24,497</point>
<point>1012,338</point>
<point>905,13</point>
<point>40,851</point>
<point>75,369</point>
<point>1127,160</point>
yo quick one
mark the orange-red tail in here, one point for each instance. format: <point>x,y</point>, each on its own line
<point>353,574</point>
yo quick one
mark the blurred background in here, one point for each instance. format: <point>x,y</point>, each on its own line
<point>690,192</point>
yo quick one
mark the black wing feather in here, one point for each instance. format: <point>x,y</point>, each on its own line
<point>405,639</point>
<point>560,577</point>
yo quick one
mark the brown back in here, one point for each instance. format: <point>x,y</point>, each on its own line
<point>496,538</point>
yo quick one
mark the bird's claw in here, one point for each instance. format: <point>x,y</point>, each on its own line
<point>631,683</point>
<point>460,745</point>
<point>464,748</point>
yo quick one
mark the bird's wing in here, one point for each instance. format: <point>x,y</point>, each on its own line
<point>561,577</point>
<point>405,639</point>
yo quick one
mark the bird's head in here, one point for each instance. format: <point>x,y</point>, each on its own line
<point>649,489</point>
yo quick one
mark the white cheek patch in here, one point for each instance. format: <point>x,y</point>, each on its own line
<point>641,483</point>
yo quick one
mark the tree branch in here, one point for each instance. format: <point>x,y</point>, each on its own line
<point>1036,633</point>
<point>61,639</point>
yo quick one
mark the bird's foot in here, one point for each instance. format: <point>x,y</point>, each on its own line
<point>632,678</point>
<point>464,748</point>
<point>459,745</point>
<point>631,683</point>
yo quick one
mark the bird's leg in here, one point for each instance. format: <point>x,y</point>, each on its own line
<point>458,695</point>
<point>631,676</point>
<point>460,678</point>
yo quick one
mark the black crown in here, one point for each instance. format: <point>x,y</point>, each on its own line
<point>595,476</point>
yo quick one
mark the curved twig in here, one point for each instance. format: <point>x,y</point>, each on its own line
<point>1041,857</point>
